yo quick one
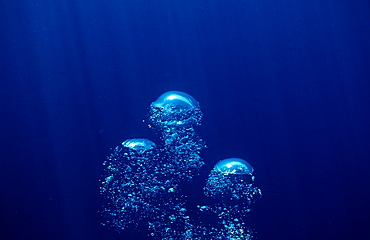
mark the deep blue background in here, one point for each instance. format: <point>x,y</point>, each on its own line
<point>283,84</point>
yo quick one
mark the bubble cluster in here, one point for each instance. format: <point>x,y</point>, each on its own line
<point>141,185</point>
<point>174,114</point>
<point>231,183</point>
<point>233,179</point>
<point>143,188</point>
<point>143,182</point>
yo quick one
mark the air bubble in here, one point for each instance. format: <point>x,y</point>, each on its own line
<point>173,109</point>
<point>175,99</point>
<point>139,145</point>
<point>234,166</point>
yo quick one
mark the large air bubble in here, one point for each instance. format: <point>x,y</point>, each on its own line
<point>175,99</point>
<point>234,166</point>
<point>139,145</point>
<point>173,109</point>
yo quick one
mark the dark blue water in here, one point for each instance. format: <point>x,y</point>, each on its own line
<point>285,84</point>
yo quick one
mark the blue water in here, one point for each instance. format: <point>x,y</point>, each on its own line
<point>284,84</point>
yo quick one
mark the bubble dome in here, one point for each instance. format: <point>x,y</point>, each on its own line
<point>175,99</point>
<point>139,145</point>
<point>175,109</point>
<point>233,166</point>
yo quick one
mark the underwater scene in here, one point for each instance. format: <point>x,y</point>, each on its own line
<point>185,120</point>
